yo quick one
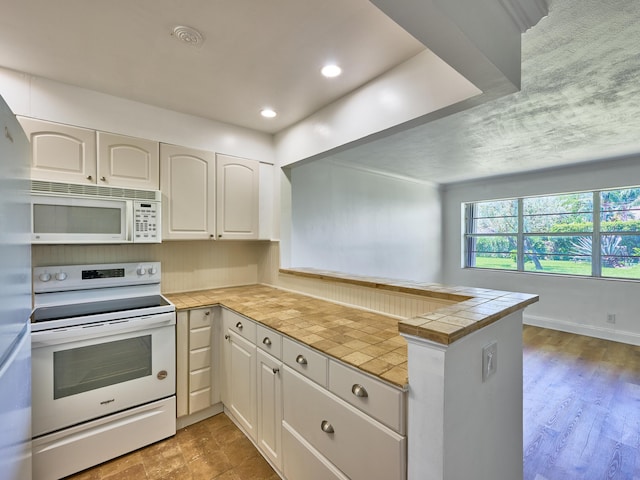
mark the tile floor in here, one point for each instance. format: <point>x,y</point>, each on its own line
<point>214,449</point>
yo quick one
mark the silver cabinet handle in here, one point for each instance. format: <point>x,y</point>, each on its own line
<point>227,337</point>
<point>300,360</point>
<point>89,177</point>
<point>207,312</point>
<point>276,371</point>
<point>359,391</point>
<point>103,179</point>
<point>326,427</point>
<point>239,325</point>
<point>267,341</point>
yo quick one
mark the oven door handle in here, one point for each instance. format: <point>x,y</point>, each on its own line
<point>97,330</point>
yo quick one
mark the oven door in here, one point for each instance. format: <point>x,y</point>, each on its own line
<point>85,372</point>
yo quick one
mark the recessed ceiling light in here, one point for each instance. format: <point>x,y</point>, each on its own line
<point>331,70</point>
<point>268,113</point>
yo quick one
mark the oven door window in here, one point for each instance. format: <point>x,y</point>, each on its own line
<point>88,368</point>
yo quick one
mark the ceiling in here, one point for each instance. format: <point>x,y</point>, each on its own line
<point>579,102</point>
<point>255,53</point>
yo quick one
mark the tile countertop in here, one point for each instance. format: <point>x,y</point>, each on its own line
<point>366,340</point>
<point>475,307</point>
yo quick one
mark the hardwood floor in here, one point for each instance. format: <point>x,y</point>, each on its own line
<point>581,407</point>
<point>581,422</point>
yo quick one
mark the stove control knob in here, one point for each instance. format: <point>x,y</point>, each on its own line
<point>141,270</point>
<point>153,270</point>
<point>61,276</point>
<point>45,277</point>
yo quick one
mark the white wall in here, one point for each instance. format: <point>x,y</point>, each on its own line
<point>573,304</point>
<point>360,222</point>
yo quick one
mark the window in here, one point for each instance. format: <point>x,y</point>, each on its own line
<point>556,234</point>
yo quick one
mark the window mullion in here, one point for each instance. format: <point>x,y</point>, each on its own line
<point>596,258</point>
<point>520,238</point>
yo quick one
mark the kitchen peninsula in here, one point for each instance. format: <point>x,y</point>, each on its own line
<point>463,416</point>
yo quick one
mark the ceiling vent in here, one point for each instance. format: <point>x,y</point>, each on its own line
<point>188,35</point>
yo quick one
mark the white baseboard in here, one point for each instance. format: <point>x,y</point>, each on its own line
<point>588,330</point>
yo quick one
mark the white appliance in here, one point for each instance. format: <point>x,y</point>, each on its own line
<point>74,213</point>
<point>15,300</point>
<point>103,364</point>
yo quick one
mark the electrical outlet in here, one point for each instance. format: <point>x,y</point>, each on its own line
<point>489,360</point>
<point>611,318</point>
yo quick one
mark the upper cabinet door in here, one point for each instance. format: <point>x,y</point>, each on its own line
<point>237,197</point>
<point>188,198</point>
<point>128,162</point>
<point>61,153</point>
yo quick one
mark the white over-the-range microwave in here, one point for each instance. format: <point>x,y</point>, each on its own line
<point>73,213</point>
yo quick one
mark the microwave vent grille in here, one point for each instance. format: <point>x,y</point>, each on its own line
<point>41,186</point>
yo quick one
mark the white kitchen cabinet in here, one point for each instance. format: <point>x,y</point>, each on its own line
<point>304,461</point>
<point>375,398</point>
<point>353,442</point>
<point>128,162</point>
<point>239,371</point>
<point>196,361</point>
<point>64,153</point>
<point>188,193</point>
<point>269,419</point>
<point>61,153</point>
<point>266,216</point>
<point>237,197</point>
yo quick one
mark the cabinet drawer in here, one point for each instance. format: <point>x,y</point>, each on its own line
<point>356,444</point>
<point>303,461</point>
<point>199,400</point>
<point>305,360</point>
<point>199,379</point>
<point>384,403</point>
<point>242,326</point>
<point>200,338</point>
<point>269,341</point>
<point>199,359</point>
<point>200,317</point>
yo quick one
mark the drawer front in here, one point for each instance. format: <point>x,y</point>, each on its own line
<point>200,317</point>
<point>303,359</point>
<point>200,358</point>
<point>200,338</point>
<point>303,461</point>
<point>382,402</point>
<point>359,446</point>
<point>199,400</point>
<point>269,341</point>
<point>199,379</point>
<point>237,323</point>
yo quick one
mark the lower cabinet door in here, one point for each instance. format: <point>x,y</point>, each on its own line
<point>242,382</point>
<point>358,445</point>
<point>270,408</point>
<point>303,462</point>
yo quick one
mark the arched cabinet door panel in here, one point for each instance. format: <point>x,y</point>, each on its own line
<point>188,193</point>
<point>237,198</point>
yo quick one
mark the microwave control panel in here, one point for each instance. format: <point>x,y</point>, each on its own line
<point>146,226</point>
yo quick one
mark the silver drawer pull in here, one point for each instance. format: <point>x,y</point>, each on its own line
<point>239,325</point>
<point>227,337</point>
<point>326,427</point>
<point>267,341</point>
<point>207,312</point>
<point>359,391</point>
<point>276,371</point>
<point>300,360</point>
